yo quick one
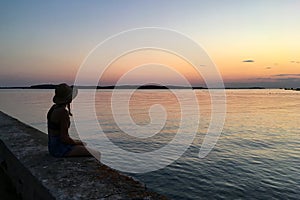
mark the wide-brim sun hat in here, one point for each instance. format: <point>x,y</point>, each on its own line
<point>64,94</point>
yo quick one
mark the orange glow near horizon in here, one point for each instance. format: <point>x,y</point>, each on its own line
<point>231,66</point>
<point>150,66</point>
<point>273,52</point>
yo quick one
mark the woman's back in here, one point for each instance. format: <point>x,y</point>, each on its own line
<point>55,117</point>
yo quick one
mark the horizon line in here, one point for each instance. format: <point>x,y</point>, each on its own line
<point>137,86</point>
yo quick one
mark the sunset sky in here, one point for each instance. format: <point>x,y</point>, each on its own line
<point>252,43</point>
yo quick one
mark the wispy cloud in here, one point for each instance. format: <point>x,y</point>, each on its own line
<point>268,67</point>
<point>248,61</point>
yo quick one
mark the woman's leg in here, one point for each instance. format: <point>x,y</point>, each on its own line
<point>79,150</point>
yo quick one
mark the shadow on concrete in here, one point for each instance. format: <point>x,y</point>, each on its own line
<point>7,190</point>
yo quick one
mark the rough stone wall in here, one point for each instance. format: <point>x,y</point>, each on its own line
<point>37,175</point>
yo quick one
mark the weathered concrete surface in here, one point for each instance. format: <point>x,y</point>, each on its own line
<point>38,175</point>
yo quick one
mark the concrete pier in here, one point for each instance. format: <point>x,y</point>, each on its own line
<point>35,174</point>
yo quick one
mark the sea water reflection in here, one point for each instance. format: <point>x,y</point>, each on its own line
<point>257,155</point>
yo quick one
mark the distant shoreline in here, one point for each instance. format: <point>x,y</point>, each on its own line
<point>140,87</point>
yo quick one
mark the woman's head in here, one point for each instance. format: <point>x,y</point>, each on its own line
<point>64,94</point>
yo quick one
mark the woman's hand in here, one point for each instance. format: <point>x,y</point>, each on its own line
<point>79,142</point>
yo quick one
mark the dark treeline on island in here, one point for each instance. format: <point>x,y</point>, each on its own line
<point>141,87</point>
<point>296,89</point>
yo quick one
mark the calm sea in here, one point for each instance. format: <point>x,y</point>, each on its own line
<point>256,157</point>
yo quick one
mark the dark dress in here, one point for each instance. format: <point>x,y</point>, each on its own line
<point>55,146</point>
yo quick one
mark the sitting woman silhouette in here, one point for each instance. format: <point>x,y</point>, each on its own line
<point>60,144</point>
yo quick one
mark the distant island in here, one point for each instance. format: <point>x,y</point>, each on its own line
<point>140,87</point>
<point>296,89</point>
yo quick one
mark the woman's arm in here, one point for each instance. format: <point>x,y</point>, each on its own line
<point>64,130</point>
